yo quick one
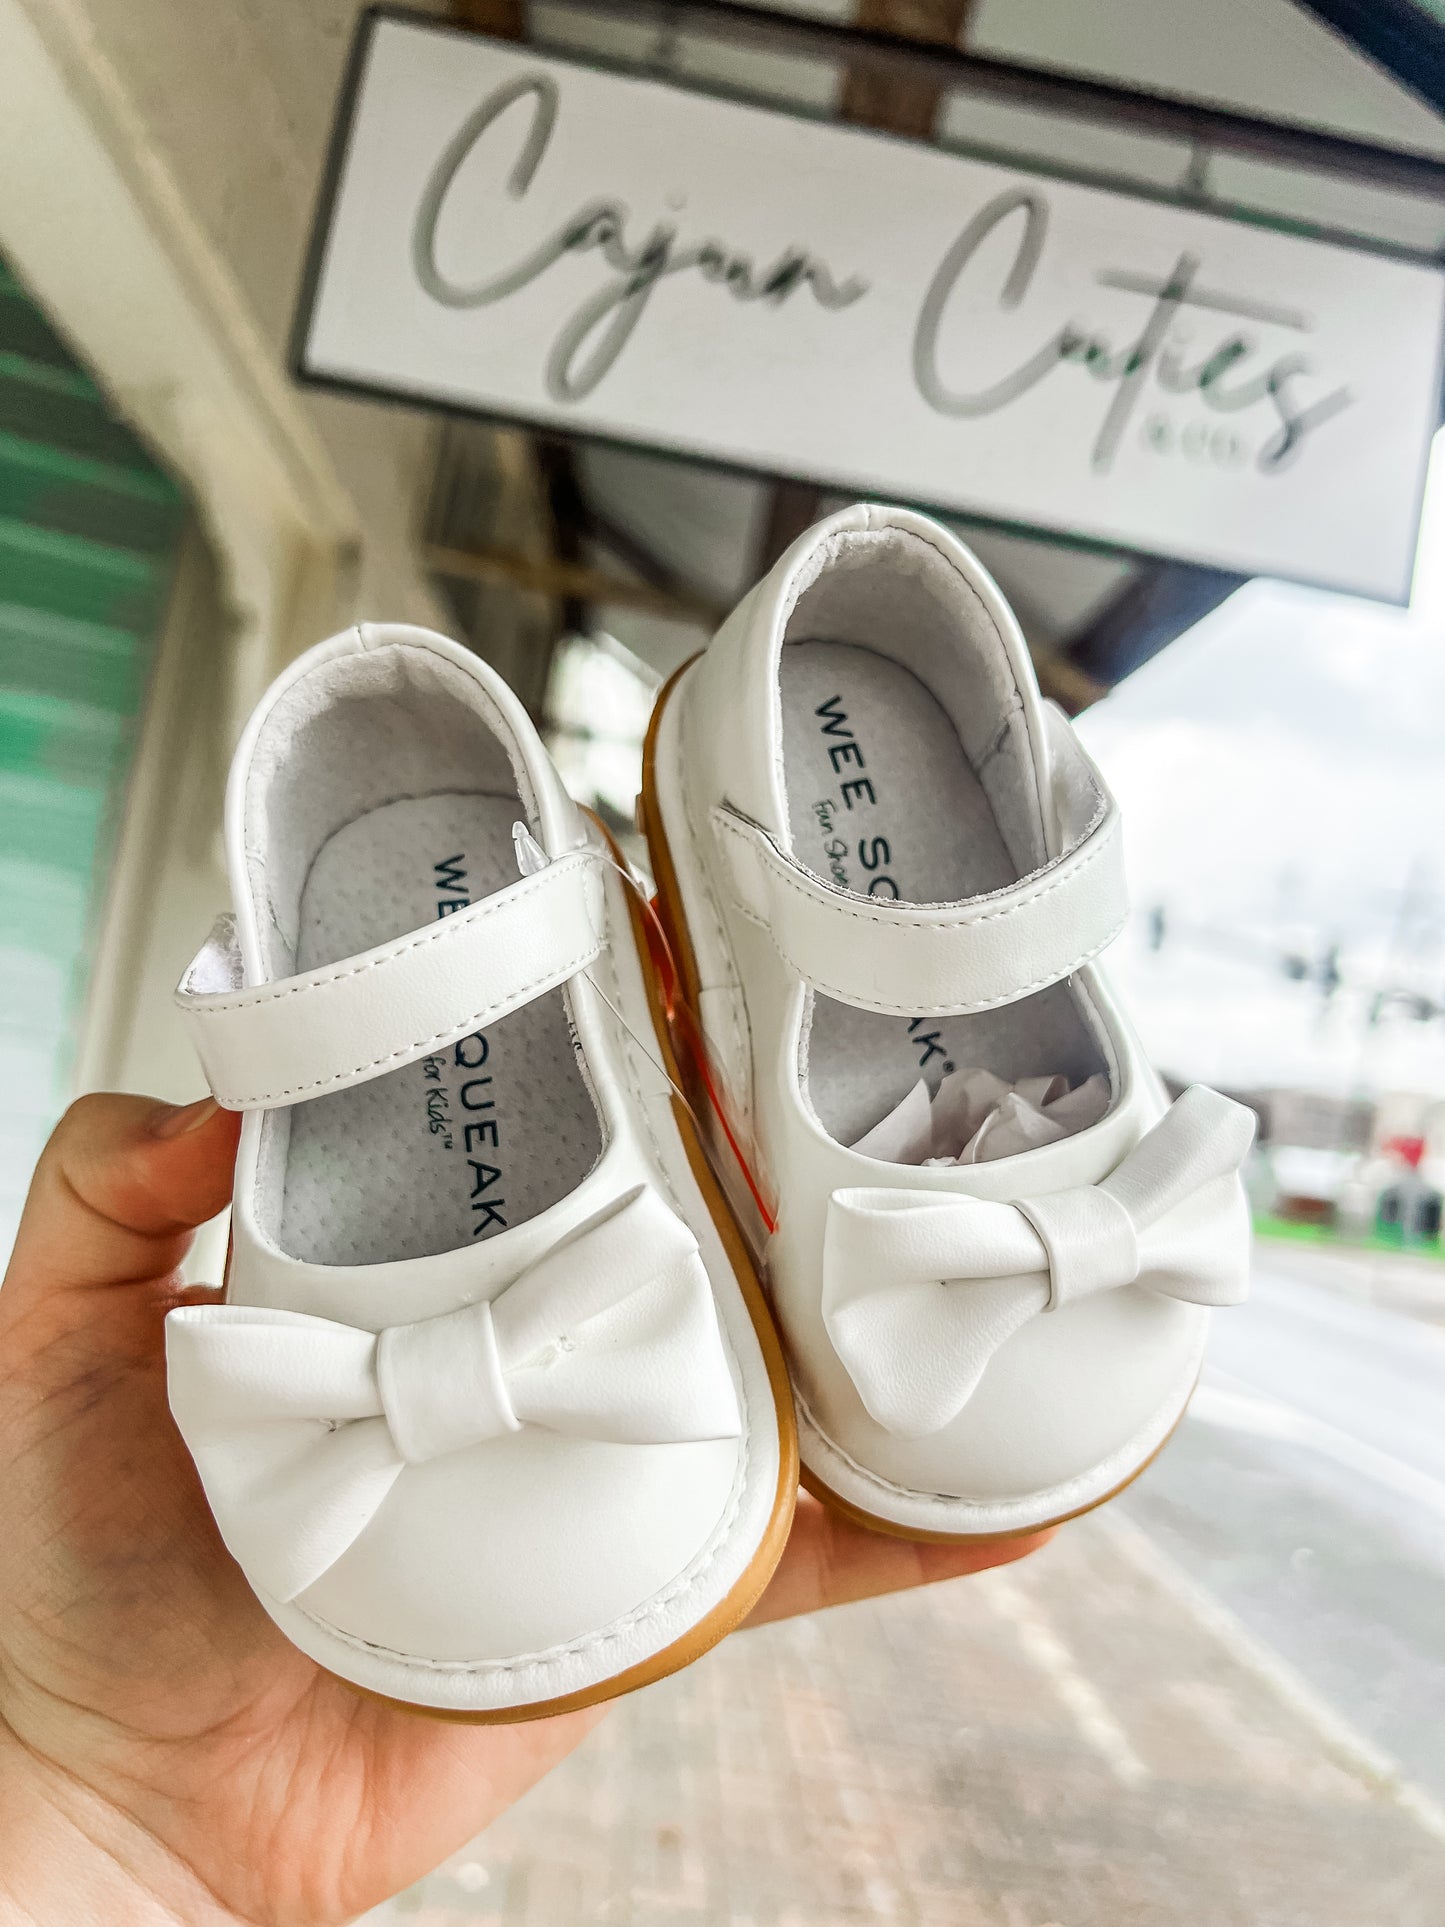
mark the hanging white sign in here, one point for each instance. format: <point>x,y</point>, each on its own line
<point>522,236</point>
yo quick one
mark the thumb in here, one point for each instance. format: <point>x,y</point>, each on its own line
<point>118,1192</point>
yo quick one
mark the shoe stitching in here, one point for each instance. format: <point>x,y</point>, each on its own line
<point>739,1041</point>
<point>992,621</point>
<point>1053,1496</point>
<point>550,1656</point>
<point>1014,707</point>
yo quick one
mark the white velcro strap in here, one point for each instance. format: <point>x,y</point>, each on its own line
<point>301,1037</point>
<point>934,960</point>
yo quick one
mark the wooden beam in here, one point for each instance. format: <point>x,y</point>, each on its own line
<point>1065,685</point>
<point>630,549</point>
<point>903,101</point>
<point>502,19</point>
<point>792,508</point>
<point>569,581</point>
<point>568,514</point>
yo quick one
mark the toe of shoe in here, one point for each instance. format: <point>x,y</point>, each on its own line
<point>535,1545</point>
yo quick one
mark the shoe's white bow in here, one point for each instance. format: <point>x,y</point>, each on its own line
<point>300,1427</point>
<point>920,1288</point>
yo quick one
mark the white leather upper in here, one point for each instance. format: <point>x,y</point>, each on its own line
<point>909,959</point>
<point>283,1042</point>
<point>509,1471</point>
<point>921,1289</point>
<point>301,1426</point>
<point>954,1371</point>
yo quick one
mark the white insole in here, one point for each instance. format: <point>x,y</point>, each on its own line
<point>477,1137</point>
<point>882,800</point>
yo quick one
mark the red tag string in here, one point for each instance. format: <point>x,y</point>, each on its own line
<point>688,1040</point>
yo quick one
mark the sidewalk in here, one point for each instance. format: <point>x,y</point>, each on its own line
<point>1072,1742</point>
<point>1409,1282</point>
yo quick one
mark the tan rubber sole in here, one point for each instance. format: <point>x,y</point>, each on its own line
<point>837,1503</point>
<point>674,923</point>
<point>730,1611</point>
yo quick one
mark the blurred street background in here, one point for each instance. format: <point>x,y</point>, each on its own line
<point>1219,1701</point>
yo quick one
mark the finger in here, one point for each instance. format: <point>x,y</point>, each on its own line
<point>830,1561</point>
<point>118,1191</point>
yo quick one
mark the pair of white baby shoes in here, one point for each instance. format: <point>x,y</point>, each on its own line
<point>498,1414</point>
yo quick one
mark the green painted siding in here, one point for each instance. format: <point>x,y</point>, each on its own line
<point>88,532</point>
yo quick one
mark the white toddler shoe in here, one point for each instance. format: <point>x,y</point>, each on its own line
<point>886,868</point>
<point>492,1417</point>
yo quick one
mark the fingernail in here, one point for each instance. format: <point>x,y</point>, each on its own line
<point>190,1117</point>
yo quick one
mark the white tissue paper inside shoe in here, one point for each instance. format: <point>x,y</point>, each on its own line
<point>905,1136</point>
<point>975,1116</point>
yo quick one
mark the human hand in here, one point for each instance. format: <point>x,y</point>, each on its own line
<point>165,1754</point>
